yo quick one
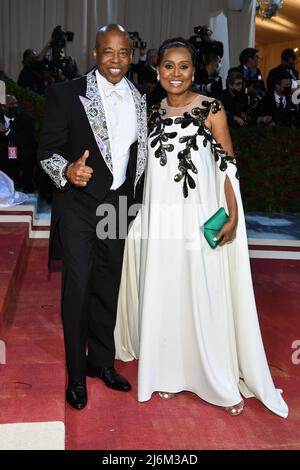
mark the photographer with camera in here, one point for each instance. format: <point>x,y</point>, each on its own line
<point>17,144</point>
<point>204,43</point>
<point>139,58</point>
<point>147,77</point>
<point>59,66</point>
<point>33,74</point>
<point>207,79</point>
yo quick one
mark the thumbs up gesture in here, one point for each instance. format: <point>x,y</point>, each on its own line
<point>78,173</point>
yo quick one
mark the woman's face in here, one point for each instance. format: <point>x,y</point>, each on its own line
<point>176,70</point>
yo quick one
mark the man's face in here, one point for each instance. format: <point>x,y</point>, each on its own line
<point>11,106</point>
<point>292,62</point>
<point>31,58</point>
<point>113,55</point>
<point>253,61</point>
<point>236,86</point>
<point>285,86</point>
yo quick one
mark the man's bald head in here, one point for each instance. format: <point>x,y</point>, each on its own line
<point>115,28</point>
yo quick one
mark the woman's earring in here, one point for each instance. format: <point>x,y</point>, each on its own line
<point>193,78</point>
<point>158,77</point>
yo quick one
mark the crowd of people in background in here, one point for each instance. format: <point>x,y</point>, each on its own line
<point>245,97</point>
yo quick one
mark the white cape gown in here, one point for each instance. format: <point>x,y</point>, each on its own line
<point>185,310</point>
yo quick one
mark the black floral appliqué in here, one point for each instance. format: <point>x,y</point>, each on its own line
<point>158,131</point>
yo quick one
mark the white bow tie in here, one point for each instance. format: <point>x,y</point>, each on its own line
<point>119,89</point>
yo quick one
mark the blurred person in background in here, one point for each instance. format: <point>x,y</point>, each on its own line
<point>17,144</point>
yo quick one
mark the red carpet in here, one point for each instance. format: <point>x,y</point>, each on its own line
<point>33,380</point>
<point>13,243</point>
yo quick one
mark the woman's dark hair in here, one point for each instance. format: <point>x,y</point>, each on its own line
<point>176,42</point>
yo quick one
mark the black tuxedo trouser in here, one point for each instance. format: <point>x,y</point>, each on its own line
<point>90,284</point>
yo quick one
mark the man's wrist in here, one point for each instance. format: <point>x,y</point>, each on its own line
<point>65,171</point>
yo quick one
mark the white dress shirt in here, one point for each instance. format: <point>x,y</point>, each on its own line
<point>7,123</point>
<point>278,98</point>
<point>121,123</point>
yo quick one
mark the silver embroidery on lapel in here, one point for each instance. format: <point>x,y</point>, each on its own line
<point>96,115</point>
<point>53,167</point>
<point>141,113</point>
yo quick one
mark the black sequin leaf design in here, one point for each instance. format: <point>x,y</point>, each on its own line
<point>197,117</point>
<point>157,130</point>
<point>220,155</point>
<point>214,106</point>
<point>191,141</point>
<point>186,164</point>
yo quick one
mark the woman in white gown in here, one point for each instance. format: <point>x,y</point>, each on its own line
<point>187,311</point>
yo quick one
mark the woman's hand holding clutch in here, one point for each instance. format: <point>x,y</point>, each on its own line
<point>227,231</point>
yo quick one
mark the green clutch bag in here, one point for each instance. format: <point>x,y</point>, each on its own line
<point>213,225</point>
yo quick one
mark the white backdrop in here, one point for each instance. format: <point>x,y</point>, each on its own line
<point>29,23</point>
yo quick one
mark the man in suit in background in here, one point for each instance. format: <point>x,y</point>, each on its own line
<point>94,148</point>
<point>17,144</point>
<point>277,107</point>
<point>249,69</point>
<point>288,64</point>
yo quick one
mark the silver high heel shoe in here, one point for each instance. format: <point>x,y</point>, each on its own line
<point>235,410</point>
<point>166,395</point>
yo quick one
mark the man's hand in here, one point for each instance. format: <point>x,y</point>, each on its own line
<point>265,119</point>
<point>239,120</point>
<point>2,128</point>
<point>78,173</point>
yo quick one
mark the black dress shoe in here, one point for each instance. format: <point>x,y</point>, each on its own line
<point>76,395</point>
<point>110,377</point>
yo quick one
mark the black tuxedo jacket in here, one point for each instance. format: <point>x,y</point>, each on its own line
<point>74,122</point>
<point>285,117</point>
<point>280,69</point>
<point>21,136</point>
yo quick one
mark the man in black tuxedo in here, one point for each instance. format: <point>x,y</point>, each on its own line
<point>277,107</point>
<point>288,63</point>
<point>93,146</point>
<point>17,144</point>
